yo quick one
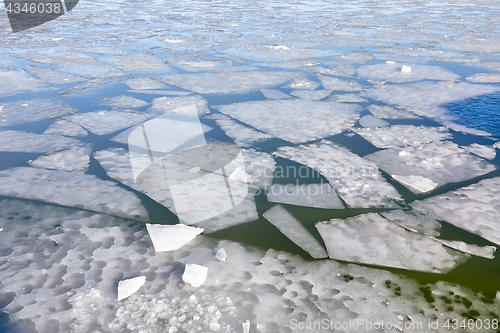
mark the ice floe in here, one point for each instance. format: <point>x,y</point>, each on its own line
<point>403,135</point>
<point>388,112</point>
<point>371,121</point>
<point>223,83</point>
<point>12,82</point>
<point>280,117</point>
<point>65,188</point>
<point>487,152</point>
<point>123,102</point>
<point>307,195</point>
<point>176,104</point>
<point>53,76</point>
<point>484,78</point>
<point>274,94</point>
<point>302,83</point>
<point>24,111</point>
<point>311,95</point>
<point>348,98</point>
<point>474,208</point>
<point>106,122</point>
<point>141,63</point>
<point>144,83</point>
<point>221,254</point>
<point>358,181</point>
<point>336,84</point>
<point>73,159</point>
<point>22,142</point>
<point>171,237</point>
<point>127,288</point>
<point>295,231</point>
<point>242,135</point>
<point>487,252</point>
<point>66,128</point>
<point>440,161</point>
<point>371,239</point>
<point>195,274</point>
<point>416,184</point>
<point>422,223</point>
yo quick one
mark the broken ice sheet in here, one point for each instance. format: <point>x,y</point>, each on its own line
<point>484,78</point>
<point>65,189</point>
<point>73,159</point>
<point>32,110</point>
<point>358,181</point>
<point>348,98</point>
<point>389,112</point>
<point>228,82</point>
<point>307,195</point>
<point>278,53</point>
<point>53,76</point>
<point>311,95</point>
<point>403,135</point>
<point>22,142</point>
<point>296,121</point>
<point>141,63</point>
<point>242,135</point>
<point>474,208</point>
<point>171,237</point>
<point>123,102</point>
<point>107,122</point>
<point>295,231</point>
<point>421,223</point>
<point>144,83</point>
<point>127,288</point>
<point>197,66</point>
<point>12,82</point>
<point>487,152</point>
<point>369,121</point>
<point>66,128</point>
<point>195,275</point>
<point>302,83</point>
<point>372,239</point>
<point>395,73</point>
<point>176,104</point>
<point>416,184</point>
<point>440,161</point>
<point>221,254</point>
<point>274,94</point>
<point>333,83</point>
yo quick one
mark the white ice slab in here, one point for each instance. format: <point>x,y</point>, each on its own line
<point>25,111</point>
<point>371,121</point>
<point>421,223</point>
<point>141,63</point>
<point>388,112</point>
<point>53,76</point>
<point>73,159</point>
<point>22,142</point>
<point>399,73</point>
<point>221,254</point>
<point>223,83</point>
<point>487,152</point>
<point>176,104</point>
<point>195,275</point>
<point>296,121</point>
<point>358,181</point>
<point>302,83</point>
<point>474,208</point>
<point>243,136</point>
<point>487,252</point>
<point>403,135</point>
<point>348,98</point>
<point>310,195</point>
<point>107,122</point>
<point>66,128</point>
<point>67,189</point>
<point>123,102</point>
<point>416,184</point>
<point>333,83</point>
<point>295,231</point>
<point>171,237</point>
<point>484,78</point>
<point>311,95</point>
<point>274,94</point>
<point>127,288</point>
<point>12,82</point>
<point>371,239</point>
<point>144,83</point>
<point>441,161</point>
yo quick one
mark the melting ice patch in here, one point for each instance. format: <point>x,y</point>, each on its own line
<point>398,73</point>
<point>487,152</point>
<point>403,135</point>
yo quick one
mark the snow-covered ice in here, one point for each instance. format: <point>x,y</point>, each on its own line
<point>424,224</point>
<point>171,237</point>
<point>403,135</point>
<point>73,159</point>
<point>144,83</point>
<point>310,195</point>
<point>22,142</point>
<point>195,274</point>
<point>388,112</point>
<point>221,254</point>
<point>484,78</point>
<point>336,84</point>
<point>302,83</point>
<point>24,111</point>
<point>127,288</point>
<point>487,152</point>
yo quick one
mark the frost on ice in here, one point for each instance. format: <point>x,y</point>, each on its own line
<point>371,239</point>
<point>295,231</point>
<point>195,275</point>
<point>171,237</point>
<point>310,195</point>
<point>403,135</point>
<point>127,288</point>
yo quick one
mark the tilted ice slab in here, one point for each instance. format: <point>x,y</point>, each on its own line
<point>242,135</point>
<point>421,223</point>
<point>107,122</point>
<point>441,161</point>
<point>416,184</point>
<point>392,72</point>
<point>371,239</point>
<point>333,83</point>
<point>25,111</point>
<point>311,95</point>
<point>369,121</point>
<point>228,82</point>
<point>53,76</point>
<point>22,142</point>
<point>195,274</point>
<point>73,159</point>
<point>141,64</point>
<point>296,121</point>
<point>474,208</point>
<point>389,112</point>
<point>274,94</point>
<point>484,78</point>
<point>302,83</point>
<point>295,231</point>
<point>358,181</point>
<point>144,83</point>
<point>171,237</point>
<point>123,102</point>
<point>66,128</point>
<point>403,135</point>
<point>127,288</point>
<point>487,152</point>
<point>307,195</point>
<point>487,252</point>
<point>66,189</point>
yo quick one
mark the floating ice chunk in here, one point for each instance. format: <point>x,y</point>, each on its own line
<point>127,288</point>
<point>441,161</point>
<point>371,121</point>
<point>260,166</point>
<point>265,53</point>
<point>473,208</point>
<point>243,136</point>
<point>274,94</point>
<point>65,188</point>
<point>390,62</point>
<point>12,82</point>
<point>195,275</point>
<point>228,82</point>
<point>358,181</point>
<point>171,237</point>
<point>464,129</point>
<point>240,175</point>
<point>487,252</point>
<point>144,83</point>
<point>484,78</point>
<point>302,83</point>
<point>221,254</point>
<point>416,184</point>
<point>25,111</point>
<point>141,64</point>
<point>54,76</point>
<point>487,152</point>
<point>295,231</point>
<point>348,98</point>
<point>310,195</point>
<point>165,93</point>
<point>279,117</point>
<point>403,135</point>
<point>400,74</point>
<point>196,66</point>
<point>389,112</point>
<point>311,95</point>
<point>67,128</point>
<point>414,221</point>
<point>107,122</point>
<point>246,326</point>
<point>497,145</point>
<point>22,142</point>
<point>73,159</point>
<point>123,102</point>
<point>176,105</point>
<point>333,83</point>
<point>405,69</point>
<point>371,239</point>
